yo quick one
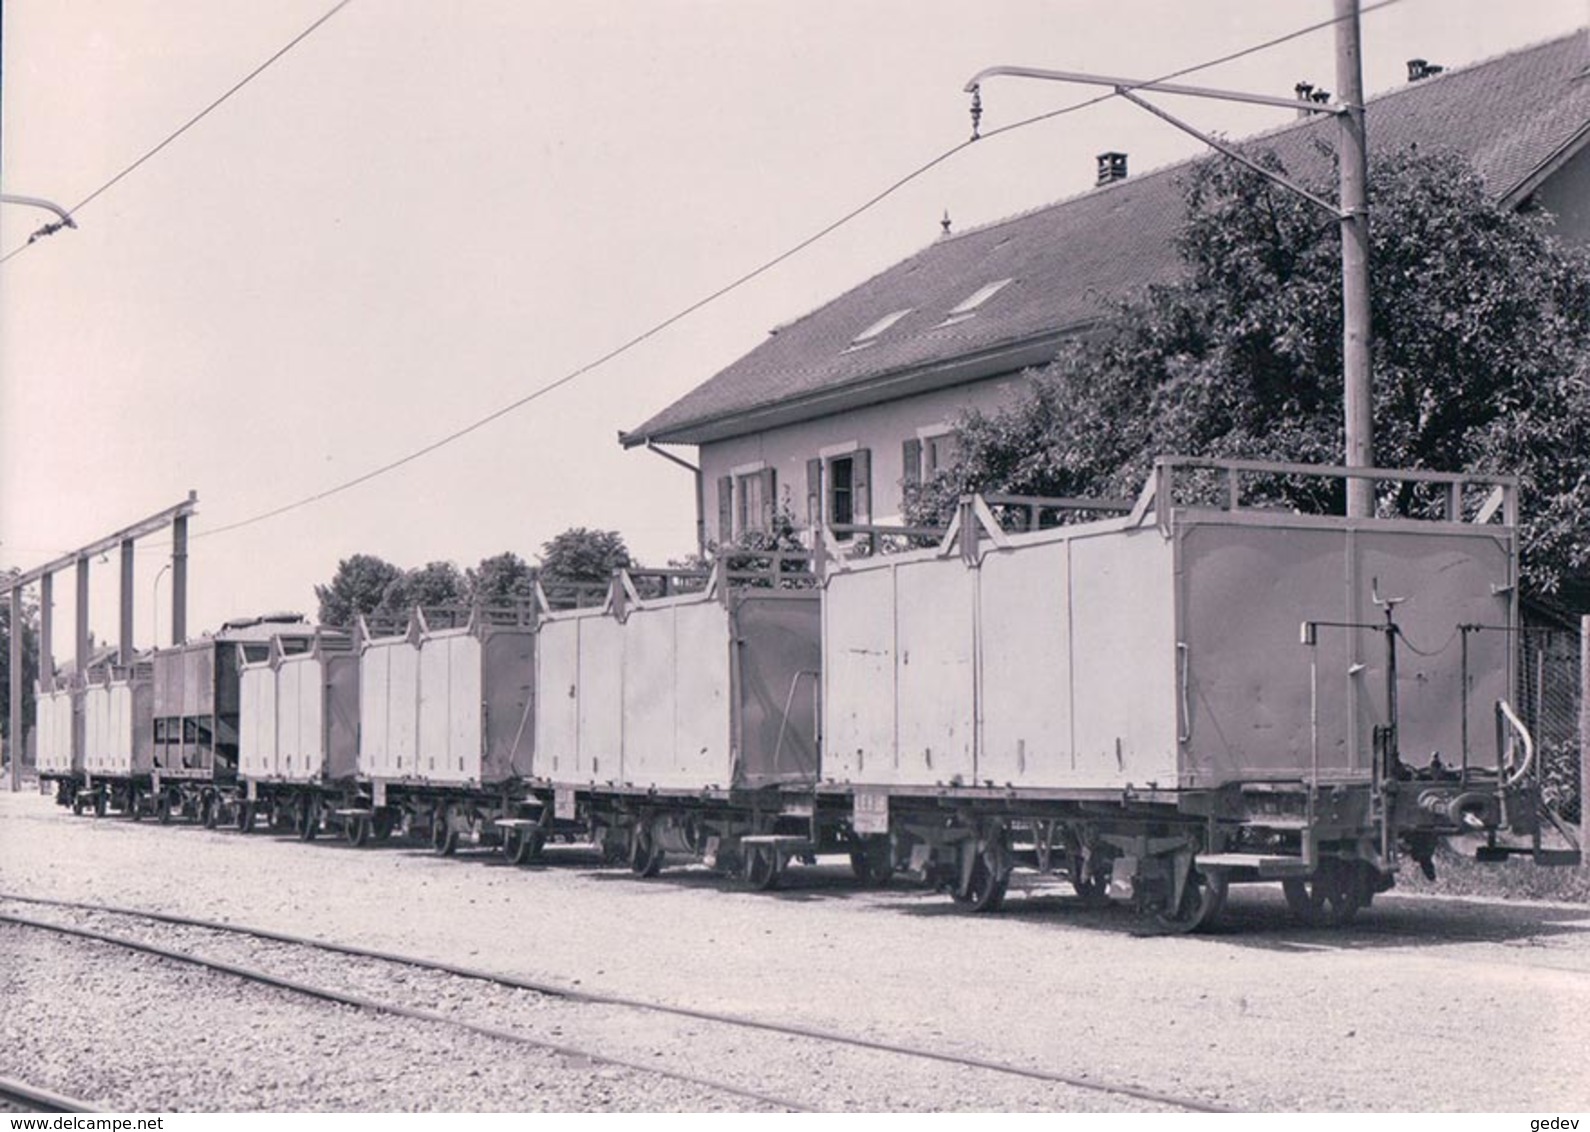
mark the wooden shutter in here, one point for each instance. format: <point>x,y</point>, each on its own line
<point>861,485</point>
<point>769,498</point>
<point>725,508</point>
<point>911,459</point>
<point>814,495</point>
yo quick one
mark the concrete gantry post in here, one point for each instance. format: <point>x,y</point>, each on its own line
<point>125,650</point>
<point>123,539</point>
<point>1352,153</point>
<point>179,579</point>
<point>17,742</point>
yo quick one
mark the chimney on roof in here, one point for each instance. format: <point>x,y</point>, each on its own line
<point>1422,69</point>
<point>1308,92</point>
<point>1112,167</point>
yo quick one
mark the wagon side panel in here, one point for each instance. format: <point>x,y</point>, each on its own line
<point>702,695</point>
<point>1124,660</point>
<point>507,689</point>
<point>1025,646</point>
<point>557,694</point>
<point>650,708</point>
<point>935,675</point>
<point>858,701</point>
<point>601,701</point>
<point>780,672</point>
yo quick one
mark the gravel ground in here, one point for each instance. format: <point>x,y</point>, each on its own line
<point>807,1072</point>
<point>1426,1005</point>
<point>136,1033</point>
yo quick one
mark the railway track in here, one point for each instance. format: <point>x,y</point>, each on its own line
<point>759,1041</point>
<point>19,1096</point>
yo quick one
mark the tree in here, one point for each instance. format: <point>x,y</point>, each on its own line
<point>1481,335</point>
<point>434,585</point>
<point>30,659</point>
<point>581,555</point>
<point>501,580</point>
<point>356,589</point>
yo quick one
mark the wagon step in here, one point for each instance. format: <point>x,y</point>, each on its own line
<point>1264,864</point>
<point>1276,821</point>
<point>784,842</point>
<point>517,823</point>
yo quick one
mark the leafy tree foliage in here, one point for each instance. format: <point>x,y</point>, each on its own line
<point>500,580</point>
<point>1481,357</point>
<point>433,585</point>
<point>356,590</point>
<point>582,555</point>
<point>30,659</point>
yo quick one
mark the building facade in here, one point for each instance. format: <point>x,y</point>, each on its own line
<point>836,413</point>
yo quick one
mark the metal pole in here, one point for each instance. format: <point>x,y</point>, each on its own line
<point>179,579</point>
<point>47,632</point>
<point>126,651</point>
<point>1584,728</point>
<point>82,618</point>
<point>1358,403</point>
<point>18,741</point>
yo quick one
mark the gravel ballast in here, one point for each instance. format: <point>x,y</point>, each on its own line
<point>1482,1000</point>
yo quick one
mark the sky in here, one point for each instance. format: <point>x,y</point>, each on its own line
<point>426,211</point>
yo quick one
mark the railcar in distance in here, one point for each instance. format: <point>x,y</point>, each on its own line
<point>676,725</point>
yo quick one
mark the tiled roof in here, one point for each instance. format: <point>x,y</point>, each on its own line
<point>1510,116</point>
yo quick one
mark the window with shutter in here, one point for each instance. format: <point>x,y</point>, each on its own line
<point>849,490</point>
<point>814,495</point>
<point>863,485</point>
<point>911,462</point>
<point>725,508</point>
<point>754,501</point>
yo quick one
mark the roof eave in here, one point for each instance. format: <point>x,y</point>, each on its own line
<point>1564,153</point>
<point>995,361</point>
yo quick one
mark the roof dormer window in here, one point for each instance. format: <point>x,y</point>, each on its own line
<point>868,336</point>
<point>967,307</point>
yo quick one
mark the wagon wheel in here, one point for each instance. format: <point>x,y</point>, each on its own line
<point>308,819</point>
<point>162,808</point>
<point>77,806</point>
<point>444,838</point>
<point>870,862</point>
<point>762,867</point>
<point>984,890</point>
<point>645,858</point>
<point>521,846</point>
<point>381,825</point>
<point>1093,887</point>
<point>357,830</point>
<point>1332,896</point>
<point>1202,898</point>
<point>245,816</point>
<point>210,811</point>
<point>135,809</point>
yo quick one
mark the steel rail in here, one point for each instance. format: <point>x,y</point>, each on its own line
<point>363,1002</point>
<point>40,1100</point>
<point>813,1033</point>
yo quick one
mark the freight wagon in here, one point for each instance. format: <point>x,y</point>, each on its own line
<point>1214,687</point>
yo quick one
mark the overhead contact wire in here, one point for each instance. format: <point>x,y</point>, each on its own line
<point>828,230</point>
<point>195,120</point>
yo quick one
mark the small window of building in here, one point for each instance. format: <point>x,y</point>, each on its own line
<point>839,490</point>
<point>745,502</point>
<point>967,307</point>
<point>871,334</point>
<point>926,454</point>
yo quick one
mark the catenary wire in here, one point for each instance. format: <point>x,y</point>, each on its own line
<point>193,121</point>
<point>766,266</point>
